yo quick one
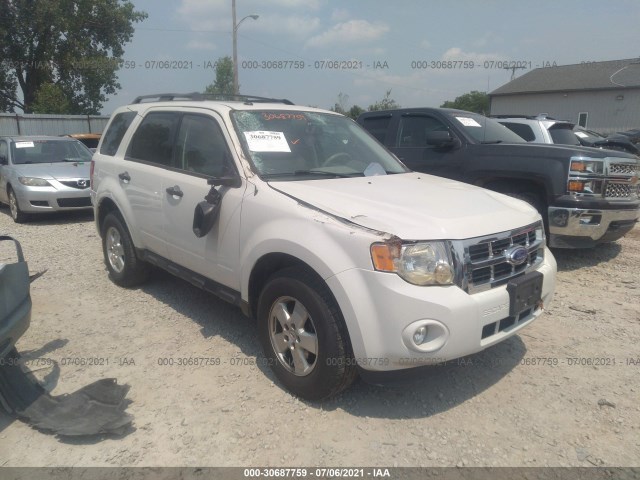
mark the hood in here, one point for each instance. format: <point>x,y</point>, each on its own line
<point>413,206</point>
<point>57,171</point>
<point>547,150</point>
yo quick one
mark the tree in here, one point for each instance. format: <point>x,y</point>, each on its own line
<point>473,101</point>
<point>386,103</point>
<point>74,45</point>
<point>51,99</point>
<point>342,106</point>
<point>223,83</point>
<point>355,111</point>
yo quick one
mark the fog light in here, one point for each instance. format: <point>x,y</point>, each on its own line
<point>420,335</point>
<point>443,273</point>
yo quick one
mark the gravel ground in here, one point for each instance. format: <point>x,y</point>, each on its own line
<point>562,393</point>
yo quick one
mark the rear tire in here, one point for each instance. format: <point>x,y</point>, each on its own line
<point>125,268</point>
<point>303,335</point>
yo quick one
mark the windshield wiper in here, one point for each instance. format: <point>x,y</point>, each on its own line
<point>300,173</point>
<point>325,173</point>
<point>491,142</point>
<point>76,159</point>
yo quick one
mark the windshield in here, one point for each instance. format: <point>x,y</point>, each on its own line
<point>49,151</point>
<point>301,145</point>
<point>483,129</point>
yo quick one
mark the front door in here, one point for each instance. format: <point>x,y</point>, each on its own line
<point>202,152</point>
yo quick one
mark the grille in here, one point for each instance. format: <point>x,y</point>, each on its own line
<point>74,202</point>
<point>622,169</point>
<point>621,190</point>
<point>81,183</point>
<point>485,262</point>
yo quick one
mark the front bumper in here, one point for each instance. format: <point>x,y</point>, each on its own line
<point>58,197</point>
<point>582,227</point>
<point>382,310</point>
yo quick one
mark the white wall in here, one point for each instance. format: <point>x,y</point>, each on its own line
<point>607,114</point>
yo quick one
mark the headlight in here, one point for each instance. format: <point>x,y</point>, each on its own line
<point>34,182</point>
<point>421,263</point>
<point>587,166</point>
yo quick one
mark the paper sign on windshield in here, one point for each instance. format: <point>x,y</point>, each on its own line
<point>581,134</point>
<point>261,141</point>
<point>468,122</point>
<point>24,145</point>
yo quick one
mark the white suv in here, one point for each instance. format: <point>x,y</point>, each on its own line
<point>348,261</point>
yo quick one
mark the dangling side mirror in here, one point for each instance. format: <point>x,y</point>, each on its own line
<point>206,213</point>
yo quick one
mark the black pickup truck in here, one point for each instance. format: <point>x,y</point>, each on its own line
<point>586,195</point>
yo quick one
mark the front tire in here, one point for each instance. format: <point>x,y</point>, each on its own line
<point>303,335</point>
<point>18,215</point>
<point>125,268</point>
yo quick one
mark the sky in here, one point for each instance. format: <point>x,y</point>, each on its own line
<point>425,52</point>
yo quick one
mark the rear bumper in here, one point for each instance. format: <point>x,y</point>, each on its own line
<point>584,228</point>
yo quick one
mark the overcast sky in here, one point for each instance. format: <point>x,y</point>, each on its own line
<point>388,42</point>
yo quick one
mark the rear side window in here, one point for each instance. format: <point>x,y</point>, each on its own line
<point>118,127</point>
<point>377,126</point>
<point>525,131</point>
<point>153,140</point>
<point>563,135</point>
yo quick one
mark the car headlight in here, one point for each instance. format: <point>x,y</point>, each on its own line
<point>34,182</point>
<point>585,165</point>
<point>420,263</point>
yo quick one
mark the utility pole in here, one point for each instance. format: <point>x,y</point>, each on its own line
<point>513,68</point>
<point>236,86</point>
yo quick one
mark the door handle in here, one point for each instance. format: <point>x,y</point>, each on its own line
<point>124,176</point>
<point>175,191</point>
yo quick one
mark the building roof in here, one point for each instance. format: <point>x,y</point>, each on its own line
<point>614,74</point>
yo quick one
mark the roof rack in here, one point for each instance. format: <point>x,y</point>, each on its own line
<point>168,97</point>
<point>540,116</point>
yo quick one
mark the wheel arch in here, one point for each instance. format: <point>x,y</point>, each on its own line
<point>512,185</point>
<point>264,268</point>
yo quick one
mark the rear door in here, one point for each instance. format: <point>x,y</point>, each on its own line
<point>148,156</point>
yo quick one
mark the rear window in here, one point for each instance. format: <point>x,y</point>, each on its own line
<point>377,126</point>
<point>118,127</point>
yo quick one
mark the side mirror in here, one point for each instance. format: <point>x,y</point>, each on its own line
<point>439,139</point>
<point>206,213</point>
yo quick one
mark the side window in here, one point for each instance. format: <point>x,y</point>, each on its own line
<point>377,126</point>
<point>118,127</point>
<point>525,131</point>
<point>413,130</point>
<point>201,147</point>
<point>153,140</point>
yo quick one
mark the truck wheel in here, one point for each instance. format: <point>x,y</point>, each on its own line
<point>304,336</point>
<point>18,215</point>
<point>125,268</point>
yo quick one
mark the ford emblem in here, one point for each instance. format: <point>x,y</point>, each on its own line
<point>517,255</point>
